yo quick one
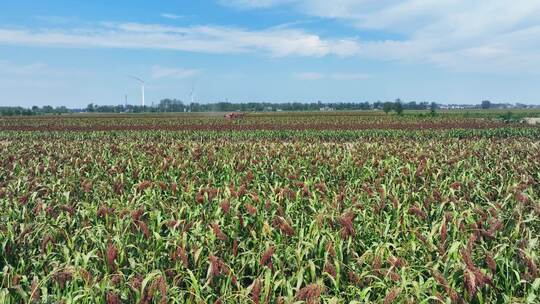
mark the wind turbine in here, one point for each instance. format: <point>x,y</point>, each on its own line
<point>142,86</point>
<point>192,92</point>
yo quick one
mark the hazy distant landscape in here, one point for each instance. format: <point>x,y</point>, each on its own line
<point>177,106</point>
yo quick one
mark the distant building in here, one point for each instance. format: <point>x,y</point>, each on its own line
<point>457,107</point>
<point>326,109</point>
<point>531,121</point>
<point>503,106</point>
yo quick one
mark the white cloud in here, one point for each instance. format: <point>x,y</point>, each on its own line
<point>255,3</point>
<point>172,16</point>
<point>170,72</point>
<point>482,35</point>
<point>462,34</point>
<point>206,39</point>
<point>332,76</point>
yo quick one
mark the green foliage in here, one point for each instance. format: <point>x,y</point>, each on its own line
<point>387,107</point>
<point>398,107</point>
<point>331,216</point>
<point>507,117</point>
<point>433,109</point>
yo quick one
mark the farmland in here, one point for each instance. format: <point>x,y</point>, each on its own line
<point>338,207</point>
<point>359,120</point>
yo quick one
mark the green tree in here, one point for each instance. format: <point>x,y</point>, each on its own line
<point>387,107</point>
<point>486,104</point>
<point>432,109</point>
<point>48,109</point>
<point>398,107</point>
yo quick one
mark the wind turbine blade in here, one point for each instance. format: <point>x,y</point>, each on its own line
<point>136,78</point>
<point>142,86</point>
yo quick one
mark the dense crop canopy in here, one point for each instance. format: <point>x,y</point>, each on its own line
<point>159,217</point>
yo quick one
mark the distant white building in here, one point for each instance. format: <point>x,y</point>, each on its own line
<point>531,121</point>
<point>326,109</point>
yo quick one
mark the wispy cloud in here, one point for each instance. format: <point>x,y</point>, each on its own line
<point>484,35</point>
<point>171,72</point>
<point>331,76</point>
<point>172,16</point>
<point>245,4</point>
<point>204,39</point>
<point>461,34</point>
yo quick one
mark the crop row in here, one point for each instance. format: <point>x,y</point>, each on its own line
<point>153,218</point>
<point>216,121</point>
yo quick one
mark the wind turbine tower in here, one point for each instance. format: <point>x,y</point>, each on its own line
<point>142,87</point>
<point>191,93</point>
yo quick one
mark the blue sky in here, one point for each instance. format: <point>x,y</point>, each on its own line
<point>71,53</point>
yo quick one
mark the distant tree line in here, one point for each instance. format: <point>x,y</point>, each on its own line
<point>174,105</point>
<point>35,110</point>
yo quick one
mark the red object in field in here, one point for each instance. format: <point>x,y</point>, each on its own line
<point>234,115</point>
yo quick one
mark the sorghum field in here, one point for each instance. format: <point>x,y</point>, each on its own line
<point>274,208</point>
